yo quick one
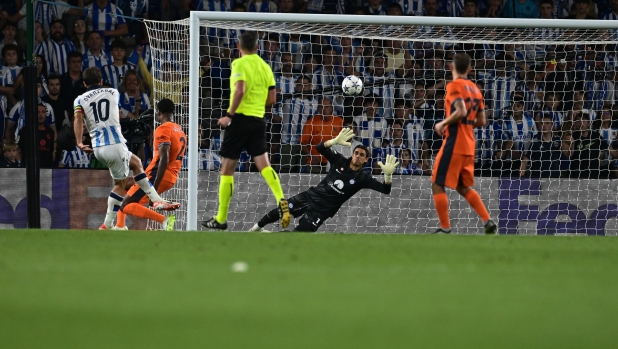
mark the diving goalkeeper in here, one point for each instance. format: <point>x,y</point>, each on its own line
<point>344,179</point>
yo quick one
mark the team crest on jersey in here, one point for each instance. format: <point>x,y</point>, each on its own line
<point>339,184</point>
<point>290,205</point>
<point>352,181</point>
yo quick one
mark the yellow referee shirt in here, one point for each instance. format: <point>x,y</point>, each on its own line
<point>258,78</point>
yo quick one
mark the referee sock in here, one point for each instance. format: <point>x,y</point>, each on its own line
<point>226,190</point>
<point>474,199</point>
<point>441,202</point>
<point>273,182</point>
<point>142,180</point>
<point>113,205</point>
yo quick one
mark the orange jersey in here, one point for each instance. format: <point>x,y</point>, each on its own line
<point>316,130</point>
<point>460,136</point>
<point>172,134</point>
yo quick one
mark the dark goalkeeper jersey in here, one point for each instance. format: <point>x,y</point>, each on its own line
<point>340,183</point>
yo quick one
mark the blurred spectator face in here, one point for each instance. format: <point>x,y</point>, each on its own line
<point>310,65</point>
<point>396,44</point>
<point>286,6</point>
<point>613,4</point>
<point>271,46</point>
<point>394,11</point>
<point>329,57</point>
<point>469,9</point>
<point>396,132</point>
<point>606,116</point>
<point>546,10</point>
<point>11,154</point>
<point>578,96</point>
<point>9,33</point>
<point>431,7</point>
<point>495,3</point>
<point>39,64</point>
<point>406,156</point>
<point>439,102</point>
<point>118,54</point>
<point>303,85</point>
<point>581,7</point>
<point>326,107</point>
<point>80,26</point>
<point>419,92</point>
<point>94,41</point>
<point>41,114</point>
<point>400,112</point>
<point>379,63</point>
<point>57,32</point>
<point>286,63</point>
<point>53,85</point>
<point>10,56</point>
<point>551,102</point>
<point>75,64</point>
<point>584,123</point>
<point>375,3</point>
<point>132,84</point>
<point>38,29</point>
<point>518,109</point>
<point>546,125</point>
<point>370,108</point>
<point>346,41</point>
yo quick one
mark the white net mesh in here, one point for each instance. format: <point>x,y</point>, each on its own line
<point>549,94</point>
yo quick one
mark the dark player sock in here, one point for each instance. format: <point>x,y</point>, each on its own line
<point>270,217</point>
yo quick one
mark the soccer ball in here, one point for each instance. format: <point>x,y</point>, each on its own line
<point>352,85</point>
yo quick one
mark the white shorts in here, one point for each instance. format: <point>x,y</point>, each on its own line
<point>116,157</point>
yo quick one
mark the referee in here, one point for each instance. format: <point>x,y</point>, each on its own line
<point>252,85</point>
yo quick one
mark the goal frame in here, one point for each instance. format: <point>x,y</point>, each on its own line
<point>194,65</point>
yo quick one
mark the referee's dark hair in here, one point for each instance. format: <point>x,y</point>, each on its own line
<point>461,61</point>
<point>92,76</point>
<point>166,106</point>
<point>248,41</point>
<point>363,148</point>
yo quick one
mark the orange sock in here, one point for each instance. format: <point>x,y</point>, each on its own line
<point>120,219</point>
<point>441,202</point>
<point>474,199</point>
<point>138,210</point>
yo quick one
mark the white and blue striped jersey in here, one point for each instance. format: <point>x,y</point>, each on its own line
<point>56,54</point>
<point>44,13</point>
<point>500,93</point>
<point>138,8</point>
<point>454,8</point>
<point>9,74</point>
<point>102,114</point>
<point>103,19</point>
<point>487,141</point>
<point>262,6</point>
<point>410,7</point>
<point>409,169</point>
<point>296,48</point>
<point>127,103</point>
<point>520,133</point>
<point>294,117</point>
<point>213,6</point>
<point>556,116</point>
<point>113,74</point>
<point>75,158</point>
<point>379,154</point>
<point>609,134</point>
<point>322,78</point>
<point>18,116</point>
<point>414,134</point>
<point>532,102</point>
<point>610,16</point>
<point>605,92</point>
<point>385,91</point>
<point>89,60</point>
<point>371,132</point>
<point>559,11</point>
<point>286,84</point>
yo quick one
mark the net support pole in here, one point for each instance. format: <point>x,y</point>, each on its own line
<point>194,116</point>
<point>33,171</point>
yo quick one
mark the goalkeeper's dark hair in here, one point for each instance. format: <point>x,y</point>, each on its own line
<point>365,149</point>
<point>166,106</point>
<point>248,41</point>
<point>461,62</point>
<point>92,76</point>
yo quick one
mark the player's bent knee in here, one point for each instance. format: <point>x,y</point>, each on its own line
<point>462,190</point>
<point>437,188</point>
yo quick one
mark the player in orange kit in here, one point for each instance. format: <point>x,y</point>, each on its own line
<point>454,165</point>
<point>170,143</point>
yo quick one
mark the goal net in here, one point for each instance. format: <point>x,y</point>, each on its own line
<point>544,164</point>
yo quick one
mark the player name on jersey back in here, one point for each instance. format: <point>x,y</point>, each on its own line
<point>102,113</point>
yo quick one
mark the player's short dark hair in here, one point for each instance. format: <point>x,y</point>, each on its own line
<point>9,47</point>
<point>518,100</point>
<point>547,116</point>
<point>548,94</point>
<point>473,1</point>
<point>584,115</point>
<point>461,61</point>
<point>166,106</point>
<point>363,148</point>
<point>248,41</point>
<point>118,44</point>
<point>53,77</point>
<point>581,1</point>
<point>398,122</point>
<point>92,76</point>
<point>394,5</point>
<point>74,54</point>
<point>56,21</point>
<point>92,33</point>
<point>550,2</point>
<point>238,6</point>
<point>9,24</point>
<point>300,78</point>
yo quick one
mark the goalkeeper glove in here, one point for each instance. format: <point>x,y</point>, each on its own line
<point>342,138</point>
<point>388,168</point>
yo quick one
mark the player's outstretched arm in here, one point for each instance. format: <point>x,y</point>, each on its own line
<point>388,168</point>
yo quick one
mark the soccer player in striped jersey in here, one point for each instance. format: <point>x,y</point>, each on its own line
<point>95,56</point>
<point>98,107</point>
<point>170,144</point>
<point>114,73</point>
<point>454,166</point>
<point>56,49</point>
<point>107,18</point>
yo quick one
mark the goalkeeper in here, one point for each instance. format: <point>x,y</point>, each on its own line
<point>344,179</point>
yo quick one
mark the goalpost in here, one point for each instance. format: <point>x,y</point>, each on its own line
<point>513,58</point>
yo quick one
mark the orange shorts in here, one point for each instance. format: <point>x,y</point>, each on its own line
<point>452,170</point>
<point>137,192</point>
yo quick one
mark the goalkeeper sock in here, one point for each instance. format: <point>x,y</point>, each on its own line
<point>142,180</point>
<point>474,199</point>
<point>226,190</point>
<point>270,217</point>
<point>441,202</point>
<point>113,205</point>
<point>273,182</point>
<point>137,210</point>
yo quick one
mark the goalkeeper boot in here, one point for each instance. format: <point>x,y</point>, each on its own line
<point>284,213</point>
<point>165,205</point>
<point>213,224</point>
<point>490,227</point>
<point>168,223</point>
<point>442,231</point>
<point>256,228</point>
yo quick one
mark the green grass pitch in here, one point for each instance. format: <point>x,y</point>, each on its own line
<point>90,289</point>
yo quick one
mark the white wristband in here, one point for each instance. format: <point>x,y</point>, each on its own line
<point>388,178</point>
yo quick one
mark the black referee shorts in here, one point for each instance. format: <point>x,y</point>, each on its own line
<point>246,132</point>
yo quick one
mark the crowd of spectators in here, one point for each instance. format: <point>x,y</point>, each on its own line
<point>551,107</point>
